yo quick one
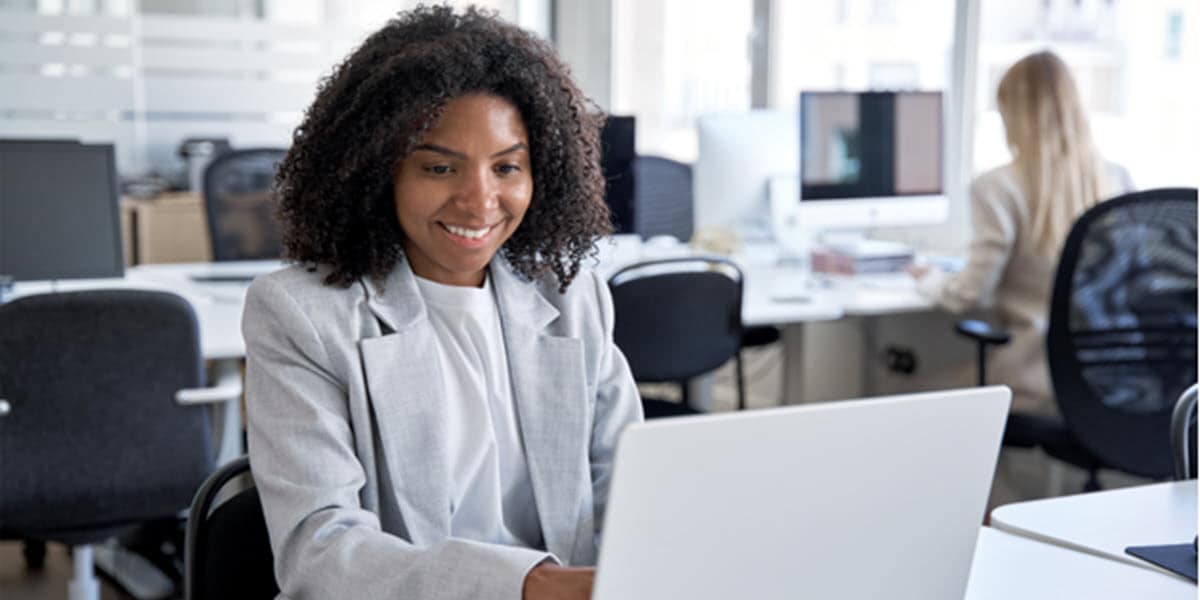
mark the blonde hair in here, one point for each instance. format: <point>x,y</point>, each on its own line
<point>1053,152</point>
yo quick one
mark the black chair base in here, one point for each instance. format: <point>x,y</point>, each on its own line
<point>1052,436</point>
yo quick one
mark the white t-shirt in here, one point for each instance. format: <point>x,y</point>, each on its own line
<point>491,489</point>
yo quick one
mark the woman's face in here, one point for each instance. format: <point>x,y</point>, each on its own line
<point>464,189</point>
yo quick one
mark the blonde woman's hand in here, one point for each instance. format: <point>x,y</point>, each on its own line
<point>917,271</point>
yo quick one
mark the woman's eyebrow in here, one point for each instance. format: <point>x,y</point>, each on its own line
<point>459,155</point>
<point>512,148</point>
<point>440,150</point>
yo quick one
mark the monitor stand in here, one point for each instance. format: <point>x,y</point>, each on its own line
<point>798,239</point>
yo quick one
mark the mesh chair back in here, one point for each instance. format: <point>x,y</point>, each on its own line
<point>94,437</point>
<point>239,201</point>
<point>676,319</point>
<point>228,550</point>
<point>663,197</point>
<point>1122,335</point>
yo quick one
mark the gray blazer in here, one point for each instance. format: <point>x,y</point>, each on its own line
<point>346,431</point>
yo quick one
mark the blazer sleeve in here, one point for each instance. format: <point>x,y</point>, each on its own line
<point>617,403</point>
<point>326,545</point>
<point>994,234</point>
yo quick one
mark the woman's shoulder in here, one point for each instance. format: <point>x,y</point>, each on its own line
<point>303,285</point>
<point>582,292</point>
<point>999,187</point>
<point>584,306</point>
<point>1003,177</point>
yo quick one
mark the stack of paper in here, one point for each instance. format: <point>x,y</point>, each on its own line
<point>861,257</point>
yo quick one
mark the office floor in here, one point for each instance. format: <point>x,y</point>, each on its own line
<point>18,583</point>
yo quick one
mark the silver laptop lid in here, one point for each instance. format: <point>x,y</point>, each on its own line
<point>879,498</point>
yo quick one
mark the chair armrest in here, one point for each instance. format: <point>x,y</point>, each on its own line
<point>982,331</point>
<point>1181,424</point>
<point>228,388</point>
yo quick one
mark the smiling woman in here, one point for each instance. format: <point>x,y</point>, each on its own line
<point>434,395</point>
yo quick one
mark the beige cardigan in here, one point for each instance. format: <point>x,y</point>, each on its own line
<point>1006,275</point>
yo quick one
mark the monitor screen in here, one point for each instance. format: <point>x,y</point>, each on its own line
<point>870,144</point>
<point>59,216</point>
<point>617,152</point>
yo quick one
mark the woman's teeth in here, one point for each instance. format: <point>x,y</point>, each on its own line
<point>473,234</point>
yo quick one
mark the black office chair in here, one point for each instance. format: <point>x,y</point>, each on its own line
<point>239,202</point>
<point>228,553</point>
<point>676,319</point>
<point>91,439</point>
<point>1183,434</point>
<point>1121,342</point>
<point>664,205</point>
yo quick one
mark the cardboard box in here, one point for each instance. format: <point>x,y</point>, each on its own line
<point>169,228</point>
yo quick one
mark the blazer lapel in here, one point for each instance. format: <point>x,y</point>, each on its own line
<point>548,378</point>
<point>405,395</point>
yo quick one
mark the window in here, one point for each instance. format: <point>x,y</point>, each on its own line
<point>859,45</point>
<point>674,60</point>
<point>1140,95</point>
<point>145,75</point>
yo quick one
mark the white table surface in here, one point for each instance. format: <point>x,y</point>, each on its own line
<point>1105,523</point>
<point>872,295</point>
<point>1008,567</point>
<point>218,305</point>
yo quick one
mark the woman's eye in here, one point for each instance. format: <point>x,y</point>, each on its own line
<point>507,169</point>
<point>438,169</point>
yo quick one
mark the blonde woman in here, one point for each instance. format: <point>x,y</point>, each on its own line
<point>1021,213</point>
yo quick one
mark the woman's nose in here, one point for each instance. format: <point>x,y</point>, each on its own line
<point>479,190</point>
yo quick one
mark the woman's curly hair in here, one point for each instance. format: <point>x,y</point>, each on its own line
<point>335,185</point>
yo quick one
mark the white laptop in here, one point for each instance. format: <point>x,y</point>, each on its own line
<point>879,498</point>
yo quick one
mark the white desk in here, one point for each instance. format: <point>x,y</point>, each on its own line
<point>1008,566</point>
<point>1105,523</point>
<point>218,305</point>
<point>873,295</point>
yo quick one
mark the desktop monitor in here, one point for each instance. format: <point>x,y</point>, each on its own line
<point>740,152</point>
<point>870,159</point>
<point>617,152</point>
<point>59,216</point>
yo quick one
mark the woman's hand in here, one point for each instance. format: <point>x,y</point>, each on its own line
<point>549,581</point>
<point>917,271</point>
